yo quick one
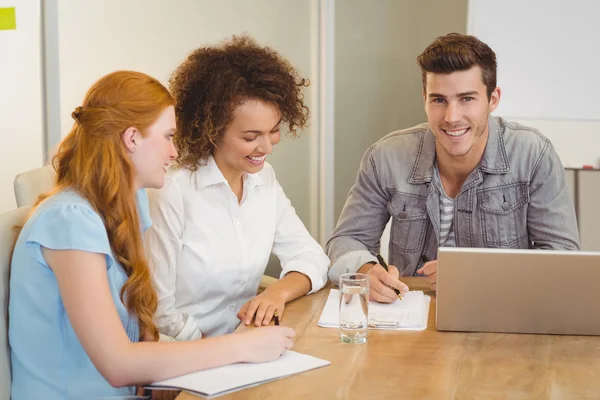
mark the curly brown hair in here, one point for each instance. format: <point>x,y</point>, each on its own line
<point>213,81</point>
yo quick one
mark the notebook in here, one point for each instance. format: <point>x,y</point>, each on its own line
<point>410,314</point>
<point>231,378</point>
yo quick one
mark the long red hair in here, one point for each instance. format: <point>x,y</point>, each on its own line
<point>93,160</point>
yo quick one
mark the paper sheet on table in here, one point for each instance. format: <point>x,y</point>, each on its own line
<point>410,314</point>
<point>219,381</point>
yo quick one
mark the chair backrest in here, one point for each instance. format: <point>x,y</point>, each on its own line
<point>29,185</point>
<point>7,238</point>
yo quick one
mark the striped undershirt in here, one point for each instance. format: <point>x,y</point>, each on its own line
<point>446,217</point>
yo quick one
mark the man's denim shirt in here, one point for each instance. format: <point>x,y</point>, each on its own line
<point>517,197</point>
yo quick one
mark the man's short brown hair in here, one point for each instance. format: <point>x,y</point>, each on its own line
<point>456,52</point>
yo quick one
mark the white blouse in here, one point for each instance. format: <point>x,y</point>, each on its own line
<point>207,252</point>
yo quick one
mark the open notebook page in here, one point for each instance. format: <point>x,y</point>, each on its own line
<point>411,313</point>
<point>218,381</point>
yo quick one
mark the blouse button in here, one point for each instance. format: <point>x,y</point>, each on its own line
<point>402,214</point>
<point>505,206</point>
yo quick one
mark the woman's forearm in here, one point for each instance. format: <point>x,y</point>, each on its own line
<point>291,286</point>
<point>147,362</point>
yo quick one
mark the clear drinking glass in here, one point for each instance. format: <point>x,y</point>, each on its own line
<point>354,307</point>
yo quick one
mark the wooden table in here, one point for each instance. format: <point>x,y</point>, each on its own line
<point>432,365</point>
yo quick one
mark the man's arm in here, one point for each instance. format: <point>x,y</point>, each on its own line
<point>551,220</point>
<point>361,222</point>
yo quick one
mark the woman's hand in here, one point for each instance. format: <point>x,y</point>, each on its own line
<point>264,344</point>
<point>262,307</point>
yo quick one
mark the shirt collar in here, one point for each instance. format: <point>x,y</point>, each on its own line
<point>253,180</point>
<point>494,160</point>
<point>210,174</point>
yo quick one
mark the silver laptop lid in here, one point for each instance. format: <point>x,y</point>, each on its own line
<point>518,291</point>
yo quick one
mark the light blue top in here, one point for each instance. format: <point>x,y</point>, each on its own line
<point>48,361</point>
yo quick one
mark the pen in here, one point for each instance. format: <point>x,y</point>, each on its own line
<point>276,317</point>
<point>384,265</point>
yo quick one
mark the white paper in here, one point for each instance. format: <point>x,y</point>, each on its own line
<point>412,313</point>
<point>219,381</point>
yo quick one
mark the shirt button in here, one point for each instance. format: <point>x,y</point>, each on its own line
<point>505,206</point>
<point>232,307</point>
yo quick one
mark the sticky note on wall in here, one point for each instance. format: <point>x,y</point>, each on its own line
<point>8,18</point>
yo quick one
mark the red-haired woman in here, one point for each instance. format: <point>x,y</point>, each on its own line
<point>81,297</point>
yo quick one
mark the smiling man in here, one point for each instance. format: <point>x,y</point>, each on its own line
<point>464,179</point>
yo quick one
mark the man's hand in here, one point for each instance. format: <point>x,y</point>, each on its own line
<point>429,271</point>
<point>382,282</point>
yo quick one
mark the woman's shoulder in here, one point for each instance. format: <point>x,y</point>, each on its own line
<point>66,220</point>
<point>67,202</point>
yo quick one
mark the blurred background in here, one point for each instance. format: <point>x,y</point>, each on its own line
<point>360,56</point>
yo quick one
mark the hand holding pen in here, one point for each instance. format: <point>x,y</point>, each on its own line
<point>385,266</point>
<point>382,282</point>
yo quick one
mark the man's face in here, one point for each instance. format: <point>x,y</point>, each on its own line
<point>457,109</point>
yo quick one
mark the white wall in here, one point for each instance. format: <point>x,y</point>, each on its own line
<point>577,142</point>
<point>546,54</point>
<point>378,82</point>
<point>547,68</point>
<point>21,113</point>
<point>155,36</point>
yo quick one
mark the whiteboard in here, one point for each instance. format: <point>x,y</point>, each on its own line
<point>547,53</point>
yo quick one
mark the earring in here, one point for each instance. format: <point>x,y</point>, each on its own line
<point>132,150</point>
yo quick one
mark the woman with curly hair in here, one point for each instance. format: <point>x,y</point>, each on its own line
<point>81,296</point>
<point>222,211</point>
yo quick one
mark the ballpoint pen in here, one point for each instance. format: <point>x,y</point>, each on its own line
<point>384,265</point>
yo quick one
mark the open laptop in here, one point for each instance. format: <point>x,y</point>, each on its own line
<point>518,291</point>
